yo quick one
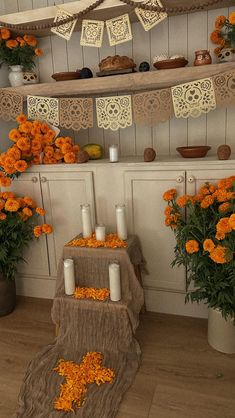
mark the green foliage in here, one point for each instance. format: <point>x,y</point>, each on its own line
<point>20,55</point>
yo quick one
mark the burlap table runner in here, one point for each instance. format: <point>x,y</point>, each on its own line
<point>87,325</point>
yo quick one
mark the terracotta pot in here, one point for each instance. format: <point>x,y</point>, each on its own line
<point>7,296</point>
<point>221,332</point>
<point>202,57</point>
<point>223,152</point>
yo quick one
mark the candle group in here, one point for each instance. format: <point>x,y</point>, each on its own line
<point>69,276</point>
<point>114,282</point>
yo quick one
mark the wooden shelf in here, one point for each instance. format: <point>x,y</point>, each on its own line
<point>107,10</point>
<point>122,83</point>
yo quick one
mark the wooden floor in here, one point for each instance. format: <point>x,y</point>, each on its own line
<point>180,375</point>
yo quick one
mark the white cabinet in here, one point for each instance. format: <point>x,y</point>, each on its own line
<point>143,191</point>
<point>63,193</point>
<point>196,178</point>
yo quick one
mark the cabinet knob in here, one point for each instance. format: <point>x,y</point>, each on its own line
<point>34,179</point>
<point>43,179</point>
<point>191,179</point>
<point>180,179</point>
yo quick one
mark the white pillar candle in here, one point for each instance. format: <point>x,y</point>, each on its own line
<point>100,232</point>
<point>86,221</point>
<point>69,276</point>
<point>113,153</point>
<point>121,221</point>
<point>114,282</point>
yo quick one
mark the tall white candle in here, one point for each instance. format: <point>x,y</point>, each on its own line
<point>121,221</point>
<point>69,276</point>
<point>86,221</point>
<point>100,232</point>
<point>114,282</point>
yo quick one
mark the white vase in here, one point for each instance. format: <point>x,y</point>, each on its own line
<point>221,332</point>
<point>16,76</point>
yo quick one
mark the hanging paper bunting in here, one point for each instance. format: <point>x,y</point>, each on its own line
<point>149,19</point>
<point>119,29</point>
<point>66,30</point>
<point>193,98</point>
<point>76,113</point>
<point>92,33</point>
<point>224,85</point>
<point>152,107</point>
<point>11,105</point>
<point>114,112</point>
<point>43,108</point>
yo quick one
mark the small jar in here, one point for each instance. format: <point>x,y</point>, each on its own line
<point>202,57</point>
<point>223,152</point>
<point>113,153</point>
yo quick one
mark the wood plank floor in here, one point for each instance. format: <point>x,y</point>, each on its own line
<point>180,375</point>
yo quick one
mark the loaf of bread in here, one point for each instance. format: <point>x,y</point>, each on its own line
<point>116,62</point>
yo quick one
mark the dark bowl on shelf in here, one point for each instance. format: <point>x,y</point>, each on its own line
<point>68,75</point>
<point>170,63</point>
<point>197,151</point>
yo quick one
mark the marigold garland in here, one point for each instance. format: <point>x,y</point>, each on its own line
<point>91,293</point>
<point>78,376</point>
<point>111,241</point>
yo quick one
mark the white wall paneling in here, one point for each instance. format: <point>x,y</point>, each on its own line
<point>182,34</point>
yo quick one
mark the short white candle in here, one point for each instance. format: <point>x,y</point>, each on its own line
<point>69,276</point>
<point>86,221</point>
<point>100,232</point>
<point>121,221</point>
<point>113,153</point>
<point>114,282</point>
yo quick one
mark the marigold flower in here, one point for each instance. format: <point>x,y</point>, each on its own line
<point>218,50</point>
<point>220,255</point>
<point>36,160</point>
<point>2,216</point>
<point>14,135</point>
<point>28,212</point>
<point>2,204</point>
<point>8,195</point>
<point>70,157</point>
<point>169,194</point>
<point>11,43</point>
<point>219,235</point>
<point>232,18</point>
<point>226,183</point>
<point>38,52</point>
<point>208,245</point>
<point>28,201</point>
<point>68,140</point>
<point>58,154</point>
<point>30,40</point>
<point>9,169</point>
<point>21,166</point>
<point>183,200</point>
<point>40,211</point>
<point>47,229</point>
<point>23,144</point>
<point>207,201</point>
<point>14,152</point>
<point>44,128</point>
<point>12,205</point>
<point>220,21</point>
<point>66,148</point>
<point>224,207</point>
<point>168,210</point>
<point>21,118</point>
<point>59,141</point>
<point>25,127</point>
<point>5,33</point>
<point>36,145</point>
<point>216,37</point>
<point>37,231</point>
<point>231,221</point>
<point>223,226</point>
<point>192,246</point>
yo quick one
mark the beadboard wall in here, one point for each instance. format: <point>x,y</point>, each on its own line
<point>176,35</point>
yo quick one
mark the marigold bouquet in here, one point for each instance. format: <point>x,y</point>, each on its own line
<point>34,143</point>
<point>18,50</point>
<point>18,226</point>
<point>224,33</point>
<point>204,227</point>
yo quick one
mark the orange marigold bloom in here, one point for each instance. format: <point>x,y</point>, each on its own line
<point>28,212</point>
<point>207,201</point>
<point>30,40</point>
<point>2,204</point>
<point>232,221</point>
<point>70,157</point>
<point>38,52</point>
<point>21,166</point>
<point>66,148</point>
<point>5,33</point>
<point>218,50</point>
<point>14,152</point>
<point>36,160</point>
<point>21,118</point>
<point>11,43</point>
<point>58,154</point>
<point>2,216</point>
<point>9,161</point>
<point>223,226</point>
<point>8,195</point>
<point>208,245</point>
<point>9,169</point>
<point>59,141</point>
<point>51,133</point>
<point>36,145</point>
<point>220,255</point>
<point>169,194</point>
<point>183,200</point>
<point>23,144</point>
<point>216,37</point>
<point>220,21</point>
<point>224,207</point>
<point>25,127</point>
<point>47,229</point>
<point>192,246</point>
<point>14,135</point>
<point>44,128</point>
<point>219,235</point>
<point>226,183</point>
<point>37,231</point>
<point>168,210</point>
<point>12,205</point>
<point>232,18</point>
<point>68,140</point>
<point>41,211</point>
<point>28,201</point>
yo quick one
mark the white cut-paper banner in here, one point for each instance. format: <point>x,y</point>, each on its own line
<point>119,29</point>
<point>114,112</point>
<point>65,30</point>
<point>149,19</point>
<point>92,33</point>
<point>43,108</point>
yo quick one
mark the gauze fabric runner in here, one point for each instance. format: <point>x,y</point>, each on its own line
<point>87,325</point>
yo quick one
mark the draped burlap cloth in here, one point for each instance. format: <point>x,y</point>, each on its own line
<point>87,325</point>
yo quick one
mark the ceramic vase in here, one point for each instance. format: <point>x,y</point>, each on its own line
<point>16,76</point>
<point>7,296</point>
<point>221,332</point>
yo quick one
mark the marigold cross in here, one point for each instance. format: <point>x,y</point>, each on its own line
<point>78,376</point>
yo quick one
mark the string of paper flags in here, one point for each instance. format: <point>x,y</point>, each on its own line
<point>118,28</point>
<point>113,112</point>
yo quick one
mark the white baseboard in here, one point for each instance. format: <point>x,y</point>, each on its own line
<point>36,287</point>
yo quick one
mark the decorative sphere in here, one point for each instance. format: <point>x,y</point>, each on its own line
<point>144,66</point>
<point>86,73</point>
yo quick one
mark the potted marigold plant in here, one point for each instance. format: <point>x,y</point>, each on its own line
<point>224,37</point>
<point>18,53</point>
<point>18,227</point>
<point>204,228</point>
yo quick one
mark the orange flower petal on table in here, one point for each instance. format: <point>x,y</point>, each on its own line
<point>28,212</point>
<point>40,211</point>
<point>12,205</point>
<point>47,229</point>
<point>192,246</point>
<point>2,216</point>
<point>112,241</point>
<point>21,166</point>
<point>208,245</point>
<point>5,33</point>
<point>37,231</point>
<point>91,293</point>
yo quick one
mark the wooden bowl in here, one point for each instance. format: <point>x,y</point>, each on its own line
<point>69,75</point>
<point>168,64</point>
<point>197,151</point>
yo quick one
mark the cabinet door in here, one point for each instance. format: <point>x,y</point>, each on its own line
<point>63,193</point>
<point>143,191</point>
<point>35,254</point>
<point>196,178</point>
